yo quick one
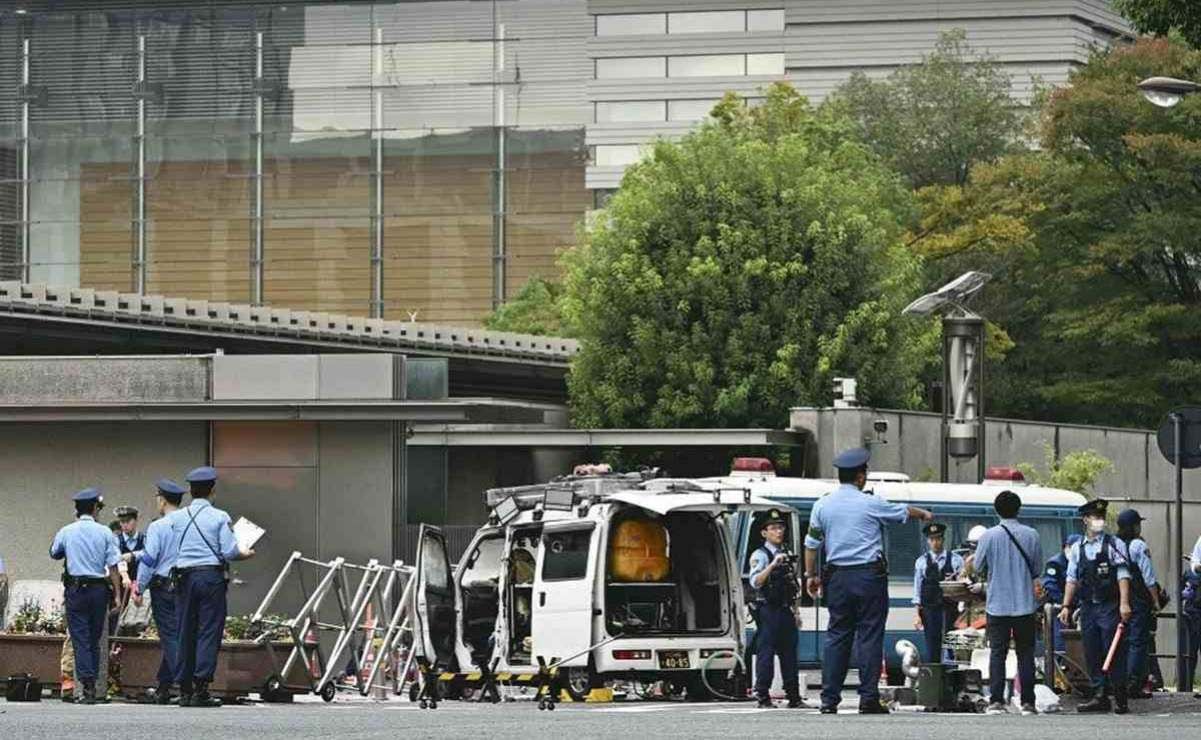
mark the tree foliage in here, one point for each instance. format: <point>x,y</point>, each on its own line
<point>933,121</point>
<point>1095,241</point>
<point>1076,471</point>
<point>735,273</point>
<point>1161,17</point>
<point>534,310</point>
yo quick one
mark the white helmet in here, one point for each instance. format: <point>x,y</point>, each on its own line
<point>976,533</point>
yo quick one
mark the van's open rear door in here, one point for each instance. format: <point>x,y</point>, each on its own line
<point>435,624</point>
<point>564,585</point>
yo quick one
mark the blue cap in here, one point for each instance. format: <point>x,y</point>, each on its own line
<point>1072,539</point>
<point>1129,518</point>
<point>88,494</point>
<point>853,458</point>
<point>204,474</point>
<point>169,488</point>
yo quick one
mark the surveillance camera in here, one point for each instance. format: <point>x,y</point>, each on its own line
<point>880,425</point>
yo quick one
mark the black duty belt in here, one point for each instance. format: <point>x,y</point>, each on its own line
<point>85,581</point>
<point>860,566</point>
<point>159,581</point>
<point>199,568</point>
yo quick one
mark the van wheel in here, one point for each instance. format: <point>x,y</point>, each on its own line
<point>696,690</point>
<point>581,681</point>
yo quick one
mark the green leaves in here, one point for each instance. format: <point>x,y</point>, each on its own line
<point>736,272</point>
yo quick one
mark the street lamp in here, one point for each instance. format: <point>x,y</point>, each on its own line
<point>962,368</point>
<point>1167,91</point>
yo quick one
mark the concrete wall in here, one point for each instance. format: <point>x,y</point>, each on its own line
<point>64,380</point>
<point>42,466</point>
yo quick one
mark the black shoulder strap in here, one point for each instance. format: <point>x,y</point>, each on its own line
<point>1029,565</point>
<point>207,544</point>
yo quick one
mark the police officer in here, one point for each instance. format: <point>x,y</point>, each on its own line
<point>1144,601</point>
<point>775,583</point>
<point>154,577</point>
<point>1055,574</point>
<point>1190,604</point>
<point>129,540</point>
<point>206,547</point>
<point>90,584</point>
<point>1098,574</point>
<point>935,613</point>
<point>847,524</point>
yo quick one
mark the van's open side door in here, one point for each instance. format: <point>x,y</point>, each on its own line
<point>434,624</point>
<point>564,588</point>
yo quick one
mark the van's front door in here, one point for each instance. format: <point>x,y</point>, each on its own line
<point>564,593</point>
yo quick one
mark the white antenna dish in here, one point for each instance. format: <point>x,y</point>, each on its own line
<point>954,294</point>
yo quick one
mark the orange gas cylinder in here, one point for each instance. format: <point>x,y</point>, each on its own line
<point>638,552</point>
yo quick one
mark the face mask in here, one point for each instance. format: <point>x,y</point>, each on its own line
<point>1096,526</point>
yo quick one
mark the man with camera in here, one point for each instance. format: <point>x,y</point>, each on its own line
<point>773,577</point>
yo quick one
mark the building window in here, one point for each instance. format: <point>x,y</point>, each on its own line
<point>765,64</point>
<point>616,155</point>
<point>633,24</point>
<point>765,20</point>
<point>630,110</point>
<point>707,65</point>
<point>627,67</point>
<point>718,21</point>
<point>690,110</point>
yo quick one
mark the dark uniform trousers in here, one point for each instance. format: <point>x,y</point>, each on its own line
<point>1098,624</point>
<point>857,599</point>
<point>776,634</point>
<point>166,621</point>
<point>1193,619</point>
<point>201,606</point>
<point>86,606</point>
<point>1138,635</point>
<point>934,626</point>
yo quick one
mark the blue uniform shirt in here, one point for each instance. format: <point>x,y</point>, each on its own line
<point>759,562</point>
<point>1010,579</point>
<point>847,521</point>
<point>1092,547</point>
<point>90,548</point>
<point>211,524</point>
<point>919,571</point>
<point>159,553</point>
<point>1138,554</point>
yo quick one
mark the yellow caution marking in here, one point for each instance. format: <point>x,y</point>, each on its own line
<point>446,677</point>
<point>599,696</point>
<point>474,676</point>
<point>524,676</point>
<point>503,676</point>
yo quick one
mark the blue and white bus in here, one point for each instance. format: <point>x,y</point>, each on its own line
<point>1051,511</point>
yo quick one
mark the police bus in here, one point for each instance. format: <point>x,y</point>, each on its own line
<point>1050,511</point>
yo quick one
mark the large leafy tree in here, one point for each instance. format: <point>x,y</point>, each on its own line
<point>933,121</point>
<point>1095,240</point>
<point>1161,17</point>
<point>735,273</point>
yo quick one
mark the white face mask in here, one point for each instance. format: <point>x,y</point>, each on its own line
<point>1096,526</point>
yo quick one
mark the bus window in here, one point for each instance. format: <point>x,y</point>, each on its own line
<point>904,544</point>
<point>1050,535</point>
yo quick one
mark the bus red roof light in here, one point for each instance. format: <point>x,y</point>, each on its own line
<point>1004,473</point>
<point>760,465</point>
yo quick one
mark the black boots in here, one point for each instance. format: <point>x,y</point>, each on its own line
<point>1099,703</point>
<point>89,693</point>
<point>202,698</point>
<point>1119,701</point>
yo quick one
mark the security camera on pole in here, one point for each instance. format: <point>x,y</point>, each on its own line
<point>962,369</point>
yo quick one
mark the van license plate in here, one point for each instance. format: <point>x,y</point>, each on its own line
<point>674,659</point>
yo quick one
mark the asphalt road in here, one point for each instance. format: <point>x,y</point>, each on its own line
<point>351,719</point>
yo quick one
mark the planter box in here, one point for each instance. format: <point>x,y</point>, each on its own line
<point>38,655</point>
<point>243,667</point>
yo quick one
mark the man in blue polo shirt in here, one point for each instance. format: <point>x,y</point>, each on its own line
<point>847,525</point>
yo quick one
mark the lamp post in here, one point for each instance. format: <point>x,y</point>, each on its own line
<point>1167,92</point>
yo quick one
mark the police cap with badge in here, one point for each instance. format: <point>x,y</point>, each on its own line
<point>1096,507</point>
<point>853,459</point>
<point>934,529</point>
<point>89,495</point>
<point>773,516</point>
<point>126,512</point>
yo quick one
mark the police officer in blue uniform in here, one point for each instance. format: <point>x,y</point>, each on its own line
<point>1190,604</point>
<point>935,613</point>
<point>1055,574</point>
<point>129,540</point>
<point>1098,574</point>
<point>775,582</point>
<point>1144,601</point>
<point>154,577</point>
<point>206,547</point>
<point>847,526</point>
<point>91,584</point>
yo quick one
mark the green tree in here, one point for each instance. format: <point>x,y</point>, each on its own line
<point>933,121</point>
<point>735,273</point>
<point>534,310</point>
<point>1161,17</point>
<point>1076,471</point>
<point>1095,243</point>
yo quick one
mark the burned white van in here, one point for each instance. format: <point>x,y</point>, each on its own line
<point>610,576</point>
